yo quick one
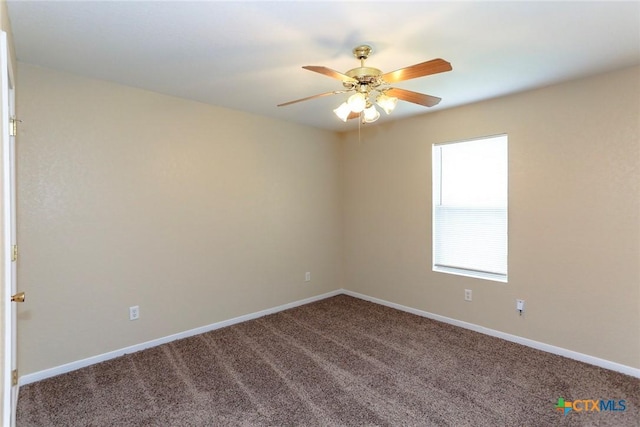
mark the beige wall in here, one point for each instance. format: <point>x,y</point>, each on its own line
<point>574,215</point>
<point>200,214</point>
<point>195,213</point>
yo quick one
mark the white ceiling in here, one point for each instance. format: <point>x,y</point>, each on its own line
<point>248,55</point>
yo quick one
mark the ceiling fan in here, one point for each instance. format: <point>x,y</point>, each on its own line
<point>370,85</point>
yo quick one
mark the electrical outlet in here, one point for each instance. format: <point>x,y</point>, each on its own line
<point>467,295</point>
<point>307,276</point>
<point>520,305</point>
<point>134,312</point>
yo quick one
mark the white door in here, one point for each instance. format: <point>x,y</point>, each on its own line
<point>7,110</point>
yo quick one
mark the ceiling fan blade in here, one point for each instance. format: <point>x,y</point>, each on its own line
<point>415,97</point>
<point>353,115</point>
<point>335,92</point>
<point>330,73</point>
<point>427,68</point>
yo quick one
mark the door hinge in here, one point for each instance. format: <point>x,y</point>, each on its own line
<point>14,253</point>
<point>14,377</point>
<point>13,126</point>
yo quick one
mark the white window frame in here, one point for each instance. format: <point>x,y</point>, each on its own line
<point>495,216</point>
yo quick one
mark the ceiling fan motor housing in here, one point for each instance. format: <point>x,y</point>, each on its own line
<point>366,76</point>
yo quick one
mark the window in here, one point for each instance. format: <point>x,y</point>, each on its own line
<point>470,208</point>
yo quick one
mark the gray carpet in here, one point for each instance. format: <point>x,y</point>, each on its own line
<point>336,362</point>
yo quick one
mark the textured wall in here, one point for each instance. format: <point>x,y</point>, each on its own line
<point>195,213</point>
<point>200,214</point>
<point>574,215</point>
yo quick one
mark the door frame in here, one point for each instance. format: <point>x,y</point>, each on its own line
<point>9,277</point>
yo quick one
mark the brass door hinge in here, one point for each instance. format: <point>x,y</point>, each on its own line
<point>14,253</point>
<point>13,126</point>
<point>14,377</point>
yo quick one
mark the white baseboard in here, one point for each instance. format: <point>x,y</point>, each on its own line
<point>62,369</point>
<point>628,370</point>
<point>68,367</point>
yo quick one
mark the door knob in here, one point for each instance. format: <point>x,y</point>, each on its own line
<point>19,297</point>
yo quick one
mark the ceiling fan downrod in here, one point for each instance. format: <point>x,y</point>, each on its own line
<point>365,76</point>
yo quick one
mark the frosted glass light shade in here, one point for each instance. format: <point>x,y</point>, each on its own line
<point>357,102</point>
<point>343,111</point>
<point>387,103</point>
<point>371,114</point>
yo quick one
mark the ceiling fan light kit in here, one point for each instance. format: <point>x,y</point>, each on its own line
<point>370,114</point>
<point>371,86</point>
<point>357,102</point>
<point>343,111</point>
<point>387,103</point>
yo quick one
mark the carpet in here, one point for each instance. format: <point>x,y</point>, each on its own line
<point>336,362</point>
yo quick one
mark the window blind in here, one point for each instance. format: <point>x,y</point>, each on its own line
<point>470,215</point>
